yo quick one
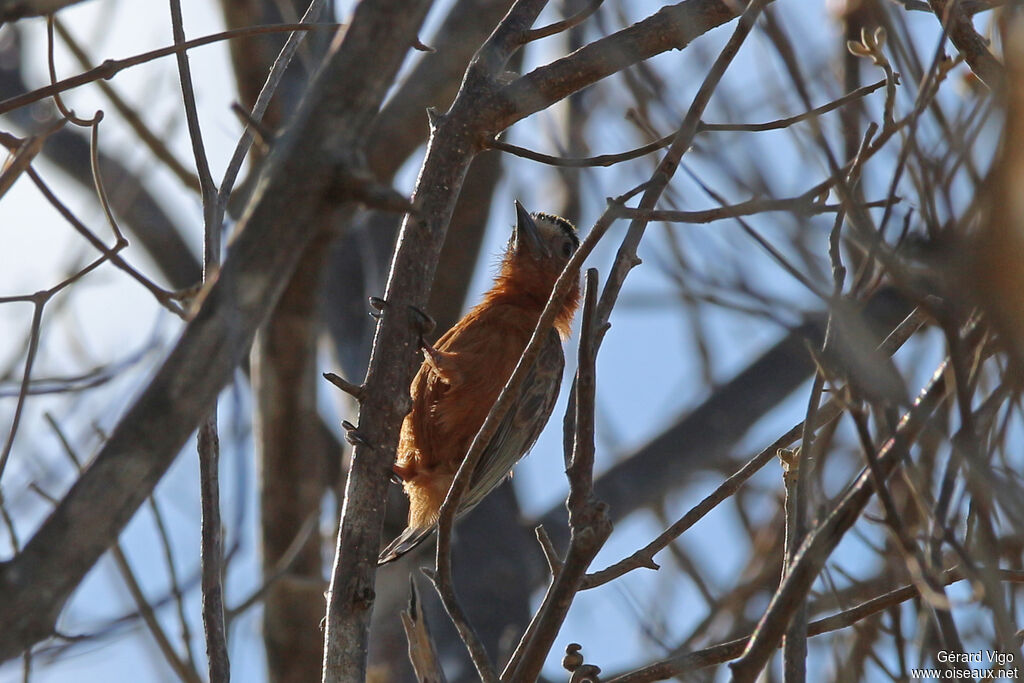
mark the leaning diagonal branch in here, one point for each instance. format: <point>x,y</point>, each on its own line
<point>960,29</point>
<point>109,68</point>
<point>723,652</point>
<point>35,584</point>
<point>626,258</point>
<point>671,28</point>
<point>661,143</point>
<point>644,557</point>
<point>823,539</point>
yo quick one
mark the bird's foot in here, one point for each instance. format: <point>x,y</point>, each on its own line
<point>354,436</point>
<point>423,322</point>
<point>379,304</point>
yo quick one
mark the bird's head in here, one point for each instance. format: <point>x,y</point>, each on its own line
<point>544,238</point>
<point>540,246</point>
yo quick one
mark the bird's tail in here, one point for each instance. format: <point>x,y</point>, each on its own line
<point>406,541</point>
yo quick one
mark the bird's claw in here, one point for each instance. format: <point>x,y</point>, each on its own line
<point>424,323</point>
<point>441,362</point>
<point>379,304</point>
<point>353,435</point>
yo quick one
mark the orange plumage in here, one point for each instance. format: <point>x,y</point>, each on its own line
<point>462,375</point>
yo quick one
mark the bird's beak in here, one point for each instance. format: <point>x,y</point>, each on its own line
<point>526,234</point>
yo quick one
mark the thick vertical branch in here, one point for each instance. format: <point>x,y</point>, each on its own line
<point>455,137</point>
<point>293,457</point>
<point>288,433</point>
<point>350,596</point>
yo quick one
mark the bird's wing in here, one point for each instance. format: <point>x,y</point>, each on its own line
<point>522,425</point>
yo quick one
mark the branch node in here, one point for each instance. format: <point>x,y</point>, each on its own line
<point>354,436</point>
<point>588,673</point>
<point>574,663</point>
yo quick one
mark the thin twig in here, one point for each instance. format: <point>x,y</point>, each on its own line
<point>626,258</point>
<point>799,205</point>
<point>38,300</point>
<point>109,68</point>
<point>129,114</point>
<point>719,654</point>
<point>162,296</point>
<point>356,391</point>
<point>185,670</point>
<point>588,518</point>
<point>548,548</point>
<point>8,521</point>
<point>826,535</point>
<point>64,111</point>
<point>280,568</point>
<point>172,575</point>
<point>211,555</point>
<point>97,180</point>
<point>20,159</point>
<point>284,58</point>
<point>149,617</point>
<point>644,557</point>
<point>612,159</point>
<point>26,377</point>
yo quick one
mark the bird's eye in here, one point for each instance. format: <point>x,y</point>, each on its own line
<point>567,248</point>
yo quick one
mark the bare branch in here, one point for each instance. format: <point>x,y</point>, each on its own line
<point>35,584</point>
<point>612,159</point>
<point>422,652</point>
<point>356,391</point>
<point>719,654</point>
<point>957,24</point>
<point>588,518</point>
<point>826,535</point>
<point>109,68</point>
<point>644,558</point>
